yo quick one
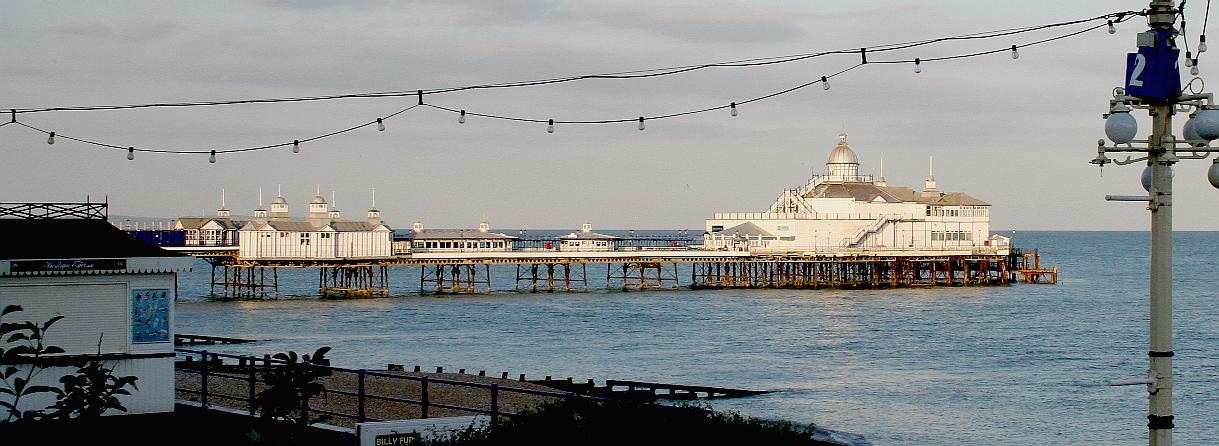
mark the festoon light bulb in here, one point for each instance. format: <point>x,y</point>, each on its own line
<point>1194,69</point>
<point>1202,44</point>
<point>461,119</point>
<point>1112,30</point>
<point>212,157</point>
<point>825,83</point>
<point>296,146</point>
<point>641,123</point>
<point>732,107</point>
<point>1015,54</point>
<point>918,67</point>
<point>550,126</point>
<point>1189,59</point>
<point>51,138</point>
<point>380,125</point>
<point>130,153</point>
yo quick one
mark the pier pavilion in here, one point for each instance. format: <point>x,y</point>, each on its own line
<point>842,211</point>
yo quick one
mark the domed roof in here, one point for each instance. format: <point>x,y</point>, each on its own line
<point>842,153</point>
<point>317,199</point>
<point>279,200</point>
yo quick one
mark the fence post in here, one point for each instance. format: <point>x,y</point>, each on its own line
<point>252,380</point>
<point>494,404</point>
<point>360,396</point>
<point>423,399</point>
<point>203,381</point>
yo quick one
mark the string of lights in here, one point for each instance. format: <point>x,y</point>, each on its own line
<point>1110,20</point>
<point>1113,17</point>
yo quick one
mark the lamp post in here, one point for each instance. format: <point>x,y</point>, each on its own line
<point>1153,83</point>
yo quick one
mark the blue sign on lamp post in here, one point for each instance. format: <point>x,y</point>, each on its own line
<point>1153,73</point>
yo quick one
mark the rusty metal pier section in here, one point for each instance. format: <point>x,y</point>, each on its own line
<point>470,273</point>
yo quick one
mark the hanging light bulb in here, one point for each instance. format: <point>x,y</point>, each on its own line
<point>380,125</point>
<point>1202,44</point>
<point>1189,59</point>
<point>1112,30</point>
<point>1015,54</point>
<point>461,119</point>
<point>550,126</point>
<point>1194,69</point>
<point>296,146</point>
<point>51,138</point>
<point>918,68</point>
<point>212,158</point>
<point>732,107</point>
<point>130,153</point>
<point>1212,174</point>
<point>825,83</point>
<point>641,123</point>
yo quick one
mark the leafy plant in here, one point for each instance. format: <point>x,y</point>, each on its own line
<point>92,391</point>
<point>29,350</point>
<point>290,386</point>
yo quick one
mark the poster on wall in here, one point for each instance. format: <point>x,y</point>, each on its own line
<point>149,316</point>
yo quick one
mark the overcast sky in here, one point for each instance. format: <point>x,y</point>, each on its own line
<point>1015,133</point>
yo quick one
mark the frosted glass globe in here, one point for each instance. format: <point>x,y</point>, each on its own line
<point>1121,127</point>
<point>1206,123</point>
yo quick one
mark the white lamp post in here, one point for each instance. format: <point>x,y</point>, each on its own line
<point>1159,152</point>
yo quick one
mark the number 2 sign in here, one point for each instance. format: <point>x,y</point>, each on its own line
<point>1153,73</point>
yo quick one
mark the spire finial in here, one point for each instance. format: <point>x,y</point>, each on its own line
<point>931,165</point>
<point>260,198</point>
<point>374,197</point>
<point>279,192</point>
<point>222,198</point>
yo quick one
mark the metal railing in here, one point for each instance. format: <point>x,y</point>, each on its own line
<point>209,366</point>
<point>47,211</point>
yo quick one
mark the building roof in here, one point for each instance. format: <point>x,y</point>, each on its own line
<point>354,226</point>
<point>942,199</point>
<point>747,229</point>
<point>317,199</point>
<point>842,153</point>
<point>457,234</point>
<point>279,200</point>
<point>200,222</point>
<point>581,235</point>
<point>860,191</point>
<point>71,239</point>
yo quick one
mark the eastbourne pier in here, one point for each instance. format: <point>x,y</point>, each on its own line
<point>838,229</point>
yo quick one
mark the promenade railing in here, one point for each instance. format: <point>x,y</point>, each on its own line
<point>355,395</point>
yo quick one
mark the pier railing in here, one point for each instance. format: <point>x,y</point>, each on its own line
<point>353,395</point>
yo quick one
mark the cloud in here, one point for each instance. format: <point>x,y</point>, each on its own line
<point>84,29</point>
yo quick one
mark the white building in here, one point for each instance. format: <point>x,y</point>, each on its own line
<point>220,230</point>
<point>843,211</point>
<point>322,235</point>
<point>116,295</point>
<point>425,240</point>
<point>587,240</point>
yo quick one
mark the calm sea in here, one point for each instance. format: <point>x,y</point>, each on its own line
<point>1017,365</point>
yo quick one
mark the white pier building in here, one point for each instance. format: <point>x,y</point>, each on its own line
<point>843,212</point>
<point>323,235</point>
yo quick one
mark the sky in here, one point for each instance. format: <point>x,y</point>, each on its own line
<point>1015,133</point>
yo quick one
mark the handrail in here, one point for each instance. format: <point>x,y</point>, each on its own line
<point>251,379</point>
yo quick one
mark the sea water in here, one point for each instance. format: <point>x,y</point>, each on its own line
<point>1005,365</point>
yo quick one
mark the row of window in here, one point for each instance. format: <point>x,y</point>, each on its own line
<point>951,236</point>
<point>459,244</point>
<point>962,211</point>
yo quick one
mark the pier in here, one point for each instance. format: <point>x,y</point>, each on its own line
<point>555,271</point>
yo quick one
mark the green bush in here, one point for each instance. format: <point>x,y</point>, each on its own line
<point>584,422</point>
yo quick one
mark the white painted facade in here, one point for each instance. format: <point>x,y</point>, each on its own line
<point>844,211</point>
<point>102,306</point>
<point>587,240</point>
<point>455,240</point>
<point>323,235</point>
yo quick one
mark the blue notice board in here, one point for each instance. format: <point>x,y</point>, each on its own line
<point>149,316</point>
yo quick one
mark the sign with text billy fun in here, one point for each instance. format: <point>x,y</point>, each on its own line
<point>1153,72</point>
